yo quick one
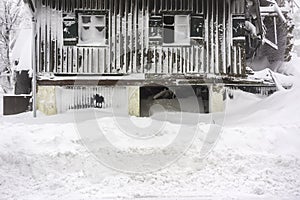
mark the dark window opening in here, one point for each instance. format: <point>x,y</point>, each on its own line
<point>169,20</point>
<point>70,30</point>
<point>169,34</point>
<point>197,25</point>
<point>155,28</point>
<point>238,27</point>
<point>171,99</point>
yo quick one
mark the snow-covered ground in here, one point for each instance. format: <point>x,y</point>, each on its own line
<point>256,156</point>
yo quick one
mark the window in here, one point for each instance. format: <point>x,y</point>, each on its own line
<point>171,29</point>
<point>238,27</point>
<point>70,30</point>
<point>85,28</point>
<point>176,29</point>
<point>197,24</point>
<point>92,29</point>
<point>155,27</point>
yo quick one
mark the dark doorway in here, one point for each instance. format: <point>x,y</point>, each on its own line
<point>23,82</point>
<point>173,99</point>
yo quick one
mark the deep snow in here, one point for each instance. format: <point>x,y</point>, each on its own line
<point>255,157</point>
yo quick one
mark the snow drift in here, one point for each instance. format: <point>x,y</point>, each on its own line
<point>255,157</point>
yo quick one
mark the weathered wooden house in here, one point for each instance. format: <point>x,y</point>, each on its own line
<point>84,47</point>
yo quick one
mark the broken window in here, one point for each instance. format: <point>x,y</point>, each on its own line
<point>92,29</point>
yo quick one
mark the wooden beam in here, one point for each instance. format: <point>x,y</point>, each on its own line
<point>151,80</point>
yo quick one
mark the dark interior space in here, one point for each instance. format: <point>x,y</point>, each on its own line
<point>174,99</point>
<point>23,82</point>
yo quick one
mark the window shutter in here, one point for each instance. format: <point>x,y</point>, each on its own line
<point>182,29</point>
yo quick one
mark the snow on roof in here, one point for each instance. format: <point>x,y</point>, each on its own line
<point>21,51</point>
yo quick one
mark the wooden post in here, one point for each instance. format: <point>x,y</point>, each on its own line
<point>34,67</point>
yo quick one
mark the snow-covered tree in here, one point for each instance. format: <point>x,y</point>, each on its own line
<point>9,20</point>
<point>297,24</point>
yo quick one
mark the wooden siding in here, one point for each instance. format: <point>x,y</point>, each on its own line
<point>129,50</point>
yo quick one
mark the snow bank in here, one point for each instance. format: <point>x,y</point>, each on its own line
<point>255,157</point>
<point>291,68</point>
<point>268,76</point>
<point>45,159</point>
<point>280,108</point>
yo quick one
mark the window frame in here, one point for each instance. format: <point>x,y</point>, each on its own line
<point>197,24</point>
<point>155,21</point>
<point>175,26</point>
<point>92,24</point>
<point>70,30</point>
<point>238,27</point>
<point>161,26</point>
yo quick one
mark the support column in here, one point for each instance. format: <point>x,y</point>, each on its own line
<point>217,98</point>
<point>34,65</point>
<point>134,103</point>
<point>46,100</point>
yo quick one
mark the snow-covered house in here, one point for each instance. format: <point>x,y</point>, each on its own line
<point>85,47</point>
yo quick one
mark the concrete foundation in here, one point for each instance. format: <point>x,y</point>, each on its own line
<point>46,100</point>
<point>49,97</point>
<point>217,98</point>
<point>134,101</point>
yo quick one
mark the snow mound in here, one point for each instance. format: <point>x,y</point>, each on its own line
<point>280,108</point>
<point>255,157</point>
<point>44,158</point>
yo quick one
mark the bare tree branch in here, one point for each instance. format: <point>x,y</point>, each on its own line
<point>9,20</point>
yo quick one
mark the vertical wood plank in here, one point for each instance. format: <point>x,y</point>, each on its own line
<point>115,33</point>
<point>126,37</point>
<point>217,39</point>
<point>212,37</point>
<point>109,66</point>
<point>136,24</point>
<point>143,36</point>
<point>207,38</point>
<point>229,36</point>
<point>132,36</point>
<point>75,58</point>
